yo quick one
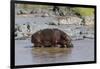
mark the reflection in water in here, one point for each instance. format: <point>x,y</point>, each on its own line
<point>83,50</point>
<point>50,55</point>
<point>51,51</point>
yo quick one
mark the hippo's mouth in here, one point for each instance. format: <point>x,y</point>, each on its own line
<point>47,45</point>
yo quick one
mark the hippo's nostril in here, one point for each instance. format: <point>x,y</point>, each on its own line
<point>47,43</point>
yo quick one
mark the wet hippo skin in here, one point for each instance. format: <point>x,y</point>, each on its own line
<point>51,38</point>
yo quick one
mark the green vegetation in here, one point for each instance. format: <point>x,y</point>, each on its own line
<point>84,11</point>
<point>69,10</point>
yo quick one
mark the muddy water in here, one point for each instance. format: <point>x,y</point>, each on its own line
<point>26,55</point>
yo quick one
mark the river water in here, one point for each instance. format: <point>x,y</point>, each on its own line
<point>25,54</point>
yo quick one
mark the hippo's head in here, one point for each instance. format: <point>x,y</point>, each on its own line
<point>46,43</point>
<point>67,44</point>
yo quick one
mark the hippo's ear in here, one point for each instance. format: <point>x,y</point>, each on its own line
<point>39,32</point>
<point>65,36</point>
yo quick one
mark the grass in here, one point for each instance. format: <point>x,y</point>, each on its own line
<point>80,10</point>
<point>84,11</point>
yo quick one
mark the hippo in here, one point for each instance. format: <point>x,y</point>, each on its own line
<point>51,38</point>
<point>61,38</point>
